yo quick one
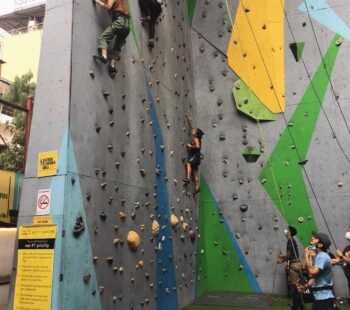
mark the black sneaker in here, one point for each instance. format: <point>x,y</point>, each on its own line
<point>151,43</point>
<point>112,71</point>
<point>100,58</point>
<point>145,19</point>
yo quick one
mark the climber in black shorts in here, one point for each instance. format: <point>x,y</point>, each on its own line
<point>194,156</point>
<point>150,11</point>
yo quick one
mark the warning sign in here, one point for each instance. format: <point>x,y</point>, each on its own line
<point>42,220</point>
<point>43,202</point>
<point>36,249</point>
<point>47,164</point>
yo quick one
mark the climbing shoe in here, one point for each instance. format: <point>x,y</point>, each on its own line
<point>196,191</point>
<point>145,19</point>
<point>100,58</point>
<point>151,43</point>
<point>112,71</point>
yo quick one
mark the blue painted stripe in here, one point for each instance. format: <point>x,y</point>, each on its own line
<point>324,14</point>
<point>166,278</point>
<point>255,285</point>
<point>82,247</point>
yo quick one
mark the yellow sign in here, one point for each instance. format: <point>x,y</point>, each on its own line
<point>36,249</point>
<point>42,220</point>
<point>47,164</point>
<point>7,187</point>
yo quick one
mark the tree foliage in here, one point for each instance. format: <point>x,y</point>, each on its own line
<point>12,158</point>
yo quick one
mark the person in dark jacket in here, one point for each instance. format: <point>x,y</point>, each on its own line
<point>343,258</point>
<point>294,267</point>
<point>150,11</point>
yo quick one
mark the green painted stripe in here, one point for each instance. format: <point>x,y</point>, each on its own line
<point>284,158</point>
<point>133,32</point>
<point>218,264</point>
<point>191,6</point>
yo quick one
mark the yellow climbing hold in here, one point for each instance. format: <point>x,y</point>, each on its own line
<point>256,50</point>
<point>155,228</point>
<point>174,220</point>
<point>133,240</point>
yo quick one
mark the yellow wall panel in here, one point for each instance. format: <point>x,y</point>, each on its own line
<point>21,53</point>
<point>7,185</point>
<point>256,50</point>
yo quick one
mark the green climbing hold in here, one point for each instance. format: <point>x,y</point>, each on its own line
<point>251,154</point>
<point>297,49</point>
<point>249,104</point>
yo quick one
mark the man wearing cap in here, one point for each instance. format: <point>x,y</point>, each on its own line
<point>343,258</point>
<point>294,267</point>
<point>319,267</point>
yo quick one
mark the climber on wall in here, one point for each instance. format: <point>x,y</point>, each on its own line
<point>119,29</point>
<point>294,267</point>
<point>194,156</point>
<point>150,11</point>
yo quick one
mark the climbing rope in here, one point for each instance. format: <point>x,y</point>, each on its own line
<point>285,120</point>
<point>328,77</point>
<point>319,101</point>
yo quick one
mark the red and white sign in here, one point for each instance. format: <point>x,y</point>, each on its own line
<point>43,202</point>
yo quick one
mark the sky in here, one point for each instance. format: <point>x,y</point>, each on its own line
<point>6,6</point>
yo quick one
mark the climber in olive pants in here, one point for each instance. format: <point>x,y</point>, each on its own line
<point>120,29</point>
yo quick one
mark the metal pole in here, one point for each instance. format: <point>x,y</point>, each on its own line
<point>29,115</point>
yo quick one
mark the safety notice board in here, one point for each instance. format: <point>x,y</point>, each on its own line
<point>36,248</point>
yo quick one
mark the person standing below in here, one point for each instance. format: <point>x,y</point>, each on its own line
<point>120,29</point>
<point>150,11</point>
<point>319,267</point>
<point>194,156</point>
<point>343,258</point>
<point>294,267</point>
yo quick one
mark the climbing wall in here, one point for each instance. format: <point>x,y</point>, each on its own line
<point>120,145</point>
<point>271,90</point>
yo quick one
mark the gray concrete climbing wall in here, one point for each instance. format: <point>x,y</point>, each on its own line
<point>288,116</point>
<point>120,145</point>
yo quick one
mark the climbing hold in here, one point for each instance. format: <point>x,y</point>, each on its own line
<point>300,219</point>
<point>105,94</point>
<point>103,216</point>
<point>140,264</point>
<point>185,226</point>
<point>101,289</point>
<point>243,208</point>
<point>339,41</point>
<point>103,185</point>
<point>340,184</point>
<point>143,172</point>
<point>92,74</point>
<point>155,228</point>
<point>192,235</point>
<point>174,220</point>
<point>297,49</point>
<point>117,164</point>
<point>302,162</point>
<point>133,240</point>
<point>109,260</point>
<point>79,227</point>
<point>122,216</point>
<point>86,278</point>
<point>251,154</point>
<point>95,259</point>
<point>249,104</point>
